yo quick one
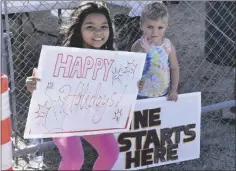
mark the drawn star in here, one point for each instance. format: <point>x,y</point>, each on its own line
<point>50,85</point>
<point>118,114</point>
<point>42,111</point>
<point>116,74</point>
<point>131,67</point>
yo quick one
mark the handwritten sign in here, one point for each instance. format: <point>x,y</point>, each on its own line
<point>161,133</point>
<point>83,92</point>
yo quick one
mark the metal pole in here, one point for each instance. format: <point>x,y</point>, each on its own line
<point>39,148</point>
<point>4,53</point>
<point>12,79</point>
<point>218,106</point>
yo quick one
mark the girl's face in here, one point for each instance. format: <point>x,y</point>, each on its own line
<point>154,30</point>
<point>95,31</point>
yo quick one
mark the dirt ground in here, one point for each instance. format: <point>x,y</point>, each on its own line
<point>186,30</point>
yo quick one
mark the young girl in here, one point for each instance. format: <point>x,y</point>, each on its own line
<point>161,70</point>
<point>90,27</point>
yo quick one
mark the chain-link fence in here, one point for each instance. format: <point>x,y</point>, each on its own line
<point>204,36</point>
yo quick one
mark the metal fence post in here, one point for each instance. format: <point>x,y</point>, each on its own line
<point>12,79</point>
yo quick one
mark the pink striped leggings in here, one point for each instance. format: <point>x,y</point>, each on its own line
<point>72,153</point>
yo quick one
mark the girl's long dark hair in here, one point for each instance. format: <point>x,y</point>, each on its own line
<point>71,32</point>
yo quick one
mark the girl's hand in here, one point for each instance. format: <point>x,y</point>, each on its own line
<point>172,95</point>
<point>140,84</point>
<point>31,82</point>
<point>146,45</point>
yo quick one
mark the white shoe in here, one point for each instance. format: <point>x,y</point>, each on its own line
<point>36,162</point>
<point>36,159</point>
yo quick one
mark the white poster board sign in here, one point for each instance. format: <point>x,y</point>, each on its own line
<point>83,92</point>
<point>161,133</point>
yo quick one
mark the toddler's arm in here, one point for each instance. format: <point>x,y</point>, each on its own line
<point>136,47</point>
<point>174,74</point>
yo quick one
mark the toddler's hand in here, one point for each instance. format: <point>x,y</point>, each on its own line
<point>140,84</point>
<point>31,82</point>
<point>172,95</point>
<point>146,45</point>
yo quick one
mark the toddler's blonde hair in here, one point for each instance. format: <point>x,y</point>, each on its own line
<point>155,11</point>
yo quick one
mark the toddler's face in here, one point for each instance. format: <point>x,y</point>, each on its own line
<point>154,29</point>
<point>95,30</point>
